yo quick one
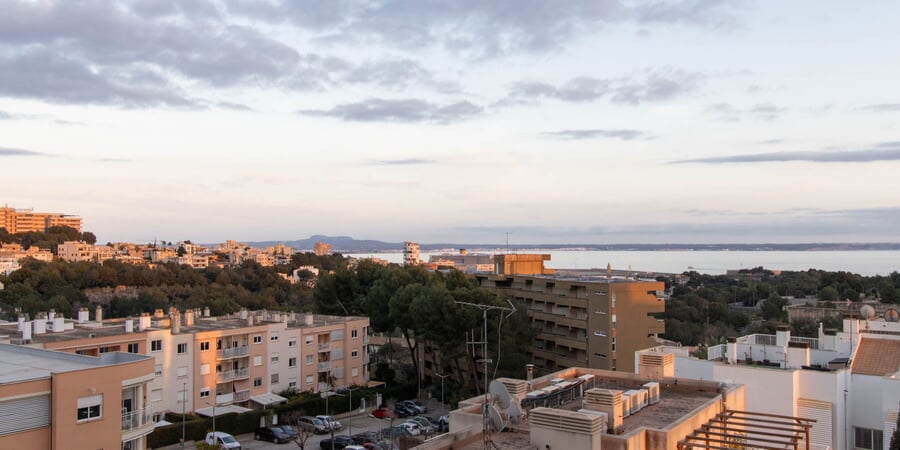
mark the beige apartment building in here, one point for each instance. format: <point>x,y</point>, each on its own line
<point>74,251</point>
<point>24,220</point>
<point>584,318</point>
<point>233,362</point>
<point>59,401</point>
<point>322,249</point>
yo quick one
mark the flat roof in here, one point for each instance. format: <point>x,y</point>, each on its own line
<point>29,363</point>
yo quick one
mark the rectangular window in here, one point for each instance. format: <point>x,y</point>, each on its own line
<point>156,345</point>
<point>274,378</point>
<point>309,380</point>
<point>274,358</point>
<point>292,362</point>
<point>354,372</point>
<point>133,348</point>
<point>613,321</point>
<point>90,407</point>
<point>182,348</point>
<point>613,344</point>
<point>354,353</point>
<point>292,384</point>
<point>204,346</point>
<point>157,370</point>
<point>204,392</point>
<point>257,382</point>
<point>182,370</point>
<point>868,438</point>
<point>257,339</point>
<point>257,360</point>
<point>204,369</point>
<point>292,342</point>
<point>309,359</point>
<point>354,333</point>
<point>273,337</point>
<point>309,340</point>
<point>156,395</point>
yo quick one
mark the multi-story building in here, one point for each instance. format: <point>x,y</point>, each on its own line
<point>321,249</point>
<point>73,251</point>
<point>201,360</point>
<point>583,318</point>
<point>61,401</point>
<point>24,220</point>
<point>11,254</point>
<point>410,253</point>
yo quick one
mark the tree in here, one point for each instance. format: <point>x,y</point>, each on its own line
<point>89,237</point>
<point>773,308</point>
<point>828,294</point>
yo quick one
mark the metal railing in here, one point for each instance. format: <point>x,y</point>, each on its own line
<point>137,419</point>
<point>232,352</point>
<point>222,377</point>
<point>323,366</point>
<point>715,352</point>
<point>813,342</point>
<point>757,339</point>
<point>242,396</point>
<point>324,347</point>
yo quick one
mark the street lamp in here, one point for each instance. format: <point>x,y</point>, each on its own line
<point>442,388</point>
<point>214,416</point>
<point>351,409</point>
<point>183,402</point>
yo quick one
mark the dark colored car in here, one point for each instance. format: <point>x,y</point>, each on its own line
<point>289,430</point>
<point>339,443</point>
<point>402,410</point>
<point>415,405</point>
<point>272,434</point>
<point>367,436</point>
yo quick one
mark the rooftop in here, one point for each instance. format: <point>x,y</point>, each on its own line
<point>877,357</point>
<point>28,363</point>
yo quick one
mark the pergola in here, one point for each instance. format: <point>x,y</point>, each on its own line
<point>745,429</point>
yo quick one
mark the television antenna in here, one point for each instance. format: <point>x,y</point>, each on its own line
<point>486,420</point>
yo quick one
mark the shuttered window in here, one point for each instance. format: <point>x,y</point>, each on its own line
<point>821,412</point>
<point>24,414</point>
<point>90,407</point>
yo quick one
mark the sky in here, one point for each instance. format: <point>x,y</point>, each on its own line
<point>597,121</point>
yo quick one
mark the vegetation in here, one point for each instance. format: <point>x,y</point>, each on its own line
<point>46,240</point>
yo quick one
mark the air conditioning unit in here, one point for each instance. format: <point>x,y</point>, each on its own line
<point>653,392</point>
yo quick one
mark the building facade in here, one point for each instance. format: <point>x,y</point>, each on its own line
<point>60,401</point>
<point>410,253</point>
<point>24,220</point>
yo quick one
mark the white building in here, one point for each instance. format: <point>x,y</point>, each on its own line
<point>849,381</point>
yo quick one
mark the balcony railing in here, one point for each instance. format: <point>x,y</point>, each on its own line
<point>324,366</point>
<point>232,352</point>
<point>757,339</point>
<point>325,347</point>
<point>715,352</point>
<point>242,396</point>
<point>813,342</point>
<point>137,419</point>
<point>222,377</point>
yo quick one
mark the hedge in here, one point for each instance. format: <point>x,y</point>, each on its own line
<point>195,428</point>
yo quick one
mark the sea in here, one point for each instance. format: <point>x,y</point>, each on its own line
<point>862,262</point>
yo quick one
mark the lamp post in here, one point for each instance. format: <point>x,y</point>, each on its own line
<point>183,402</point>
<point>442,388</point>
<point>351,409</point>
<point>214,416</point>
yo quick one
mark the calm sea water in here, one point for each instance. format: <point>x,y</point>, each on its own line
<point>710,262</point>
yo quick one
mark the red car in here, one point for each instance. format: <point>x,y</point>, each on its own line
<point>382,413</point>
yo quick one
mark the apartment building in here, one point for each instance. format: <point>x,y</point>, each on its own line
<point>321,249</point>
<point>61,401</point>
<point>26,220</point>
<point>848,380</point>
<point>11,254</point>
<point>411,254</point>
<point>74,251</point>
<point>583,318</point>
<point>235,361</point>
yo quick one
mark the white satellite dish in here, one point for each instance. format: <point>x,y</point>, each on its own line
<point>500,394</point>
<point>514,412</point>
<point>867,312</point>
<point>498,423</point>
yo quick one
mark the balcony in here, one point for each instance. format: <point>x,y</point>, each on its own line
<point>324,366</point>
<point>233,352</point>
<point>242,396</point>
<point>238,374</point>
<point>325,347</point>
<point>224,399</point>
<point>136,420</point>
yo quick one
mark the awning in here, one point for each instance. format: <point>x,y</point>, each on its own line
<point>375,383</point>
<point>268,399</point>
<point>221,410</point>
<point>163,423</point>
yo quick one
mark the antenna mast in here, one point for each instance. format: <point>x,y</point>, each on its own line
<point>485,418</point>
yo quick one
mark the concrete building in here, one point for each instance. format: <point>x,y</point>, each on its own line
<point>463,261</point>
<point>322,249</point>
<point>74,251</point>
<point>25,220</point>
<point>60,401</point>
<point>199,360</point>
<point>411,254</point>
<point>849,381</point>
<point>583,319</point>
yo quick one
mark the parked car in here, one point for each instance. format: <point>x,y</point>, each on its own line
<point>412,428</point>
<point>444,422</point>
<point>366,436</point>
<point>313,424</point>
<point>222,440</point>
<point>338,443</point>
<point>415,405</point>
<point>354,447</point>
<point>425,424</point>
<point>381,412</point>
<point>289,430</point>
<point>271,434</point>
<point>403,410</point>
<point>331,423</point>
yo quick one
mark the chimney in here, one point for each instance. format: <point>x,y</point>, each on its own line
<point>40,325</point>
<point>26,331</point>
<point>310,319</point>
<point>144,322</point>
<point>250,320</point>
<point>129,325</point>
<point>206,311</point>
<point>52,314</point>
<point>188,317</point>
<point>731,350</point>
<point>530,369</point>
<point>158,313</point>
<point>22,322</point>
<point>59,324</point>
<point>98,314</point>
<point>83,315</point>
<point>175,319</point>
<point>782,335</point>
<point>243,313</point>
<point>796,355</point>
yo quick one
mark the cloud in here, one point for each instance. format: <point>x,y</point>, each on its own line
<point>7,151</point>
<point>400,162</point>
<point>404,111</point>
<point>882,152</point>
<point>623,134</point>
<point>731,113</point>
<point>882,107</point>
<point>397,74</point>
<point>648,86</point>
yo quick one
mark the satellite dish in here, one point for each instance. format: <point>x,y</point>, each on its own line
<point>500,394</point>
<point>498,423</point>
<point>514,412</point>
<point>891,315</point>
<point>867,312</point>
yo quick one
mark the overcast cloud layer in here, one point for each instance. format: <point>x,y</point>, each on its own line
<point>445,121</point>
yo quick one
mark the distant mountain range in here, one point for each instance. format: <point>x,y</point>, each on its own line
<point>346,244</point>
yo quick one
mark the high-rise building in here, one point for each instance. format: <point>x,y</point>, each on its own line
<point>322,249</point>
<point>410,253</point>
<point>26,220</point>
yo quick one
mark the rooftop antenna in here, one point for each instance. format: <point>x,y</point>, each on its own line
<point>507,242</point>
<point>487,423</point>
<point>608,272</point>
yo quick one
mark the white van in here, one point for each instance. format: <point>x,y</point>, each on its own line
<point>222,440</point>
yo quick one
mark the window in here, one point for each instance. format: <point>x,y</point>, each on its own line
<point>613,299</point>
<point>354,334</point>
<point>204,369</point>
<point>613,344</point>
<point>274,358</point>
<point>156,395</point>
<point>354,353</point>
<point>309,359</point>
<point>182,370</point>
<point>133,348</point>
<point>204,346</point>
<point>292,342</point>
<point>182,348</point>
<point>354,372</point>
<point>104,349</point>
<point>274,379</point>
<point>156,345</point>
<point>257,339</point>
<point>292,383</point>
<point>309,340</point>
<point>257,382</point>
<point>204,392</point>
<point>614,321</point>
<point>90,407</point>
<point>309,380</point>
<point>158,370</point>
<point>868,438</point>
<point>273,337</point>
<point>292,362</point>
<point>600,355</point>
